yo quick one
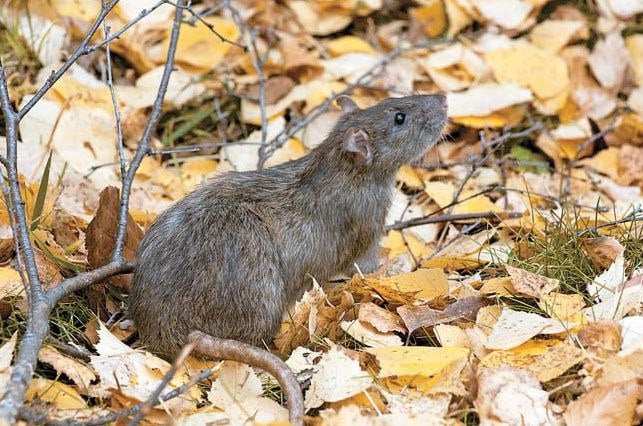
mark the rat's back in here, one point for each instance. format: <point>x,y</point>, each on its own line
<point>209,263</point>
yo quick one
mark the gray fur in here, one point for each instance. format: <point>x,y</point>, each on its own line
<point>232,255</point>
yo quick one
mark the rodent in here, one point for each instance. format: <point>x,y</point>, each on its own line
<point>230,257</point>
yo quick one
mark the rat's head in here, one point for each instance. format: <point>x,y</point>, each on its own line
<point>394,132</point>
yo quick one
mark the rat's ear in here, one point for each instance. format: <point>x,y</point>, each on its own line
<point>347,104</point>
<point>357,141</point>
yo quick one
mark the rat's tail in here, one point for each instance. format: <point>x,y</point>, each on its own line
<point>233,350</point>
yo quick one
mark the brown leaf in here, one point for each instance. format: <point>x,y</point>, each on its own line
<point>101,235</point>
<point>6,249</point>
<point>467,307</point>
<point>530,284</point>
<point>416,317</point>
<point>381,319</point>
<point>629,165</point>
<point>508,395</point>
<point>275,88</point>
<point>606,406</point>
<point>601,336</point>
<point>602,251</point>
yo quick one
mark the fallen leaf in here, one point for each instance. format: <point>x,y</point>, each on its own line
<point>415,360</point>
<point>509,14</point>
<point>514,328</point>
<point>451,336</point>
<point>78,372</point>
<point>62,396</point>
<point>425,284</point>
<point>101,235</point>
<point>336,377</point>
<point>528,66</point>
<point>381,319</point>
<point>135,374</point>
<point>608,284</point>
<point>416,317</point>
<point>485,99</point>
<point>508,395</point>
<point>621,367</point>
<point>347,44</point>
<point>6,355</point>
<point>607,405</point>
<point>368,335</point>
<point>554,34</point>
<point>609,60</point>
<point>531,284</point>
<point>201,49</point>
<point>601,336</point>
<point>563,307</point>
<point>547,359</point>
<point>430,18</point>
<point>603,251</point>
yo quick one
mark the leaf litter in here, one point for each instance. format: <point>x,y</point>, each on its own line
<point>477,314</point>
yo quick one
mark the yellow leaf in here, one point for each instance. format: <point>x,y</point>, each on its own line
<point>415,360</point>
<point>10,282</point>
<point>431,17</point>
<point>444,192</point>
<point>604,162</point>
<point>426,283</point>
<point>547,359</point>
<point>348,44</point>
<point>199,47</point>
<point>396,245</point>
<point>529,66</point>
<point>554,34</point>
<point>530,284</point>
<point>498,285</point>
<point>63,396</point>
<point>410,177</point>
<point>634,45</point>
<point>505,117</point>
<point>458,17</point>
<point>563,307</point>
<point>197,171</point>
<point>83,10</point>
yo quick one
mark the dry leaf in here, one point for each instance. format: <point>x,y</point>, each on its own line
<point>608,405</point>
<point>554,34</point>
<point>602,336</point>
<point>563,307</point>
<point>508,14</point>
<point>336,377</point>
<point>368,335</point>
<point>381,319</point>
<point>508,395</point>
<point>603,251</point>
<point>547,359</point>
<point>424,284</point>
<point>514,328</point>
<point>484,99</point>
<point>609,60</point>
<point>62,396</point>
<point>531,284</point>
<point>415,360</point>
<point>6,355</point>
<point>78,372</point>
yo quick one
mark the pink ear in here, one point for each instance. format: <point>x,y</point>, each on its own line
<point>357,141</point>
<point>347,104</point>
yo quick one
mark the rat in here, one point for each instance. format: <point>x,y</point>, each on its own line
<point>231,256</point>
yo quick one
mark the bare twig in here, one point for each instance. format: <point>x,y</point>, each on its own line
<point>42,302</point>
<point>143,145</point>
<point>491,216</point>
<point>153,399</point>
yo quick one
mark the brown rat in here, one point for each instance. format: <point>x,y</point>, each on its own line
<point>231,256</point>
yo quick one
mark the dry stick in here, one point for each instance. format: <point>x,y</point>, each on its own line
<point>28,414</point>
<point>214,347</point>
<point>80,51</point>
<point>153,399</point>
<point>492,216</point>
<point>143,145</point>
<point>43,303</point>
<point>117,111</point>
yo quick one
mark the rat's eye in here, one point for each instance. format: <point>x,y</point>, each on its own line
<point>399,118</point>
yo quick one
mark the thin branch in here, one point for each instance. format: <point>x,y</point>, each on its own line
<point>117,111</point>
<point>154,397</point>
<point>143,145</point>
<point>491,216</point>
<point>80,51</point>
